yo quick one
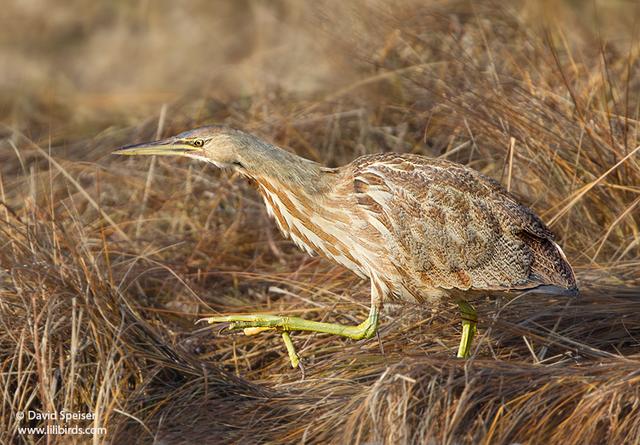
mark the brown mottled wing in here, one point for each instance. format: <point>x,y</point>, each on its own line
<point>454,228</point>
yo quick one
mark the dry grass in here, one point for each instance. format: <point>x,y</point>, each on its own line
<point>106,263</point>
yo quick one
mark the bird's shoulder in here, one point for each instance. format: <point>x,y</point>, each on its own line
<point>432,183</point>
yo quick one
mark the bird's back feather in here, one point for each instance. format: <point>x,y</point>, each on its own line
<point>448,226</point>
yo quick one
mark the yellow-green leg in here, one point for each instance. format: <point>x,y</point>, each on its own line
<point>248,322</point>
<point>469,329</point>
<point>294,358</point>
<point>253,324</point>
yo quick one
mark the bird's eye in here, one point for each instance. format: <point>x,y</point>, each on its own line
<point>198,142</point>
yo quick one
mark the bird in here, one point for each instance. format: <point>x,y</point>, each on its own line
<point>420,229</point>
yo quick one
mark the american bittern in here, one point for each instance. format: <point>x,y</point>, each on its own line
<point>420,229</point>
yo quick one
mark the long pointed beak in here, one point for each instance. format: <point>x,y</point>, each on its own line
<point>169,146</point>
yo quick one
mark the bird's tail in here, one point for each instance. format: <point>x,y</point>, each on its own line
<point>555,290</point>
<point>550,267</point>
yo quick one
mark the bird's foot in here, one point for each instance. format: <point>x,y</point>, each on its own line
<point>469,329</point>
<point>294,358</point>
<point>253,324</point>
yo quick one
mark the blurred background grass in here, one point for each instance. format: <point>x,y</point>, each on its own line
<point>106,263</point>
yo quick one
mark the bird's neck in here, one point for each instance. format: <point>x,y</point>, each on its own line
<point>304,199</point>
<point>277,169</point>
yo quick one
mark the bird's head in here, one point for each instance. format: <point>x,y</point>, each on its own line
<point>226,147</point>
<point>216,144</point>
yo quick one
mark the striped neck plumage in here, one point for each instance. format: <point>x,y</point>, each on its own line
<point>276,168</point>
<point>301,196</point>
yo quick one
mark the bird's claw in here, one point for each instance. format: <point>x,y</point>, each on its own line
<point>226,329</point>
<point>254,325</point>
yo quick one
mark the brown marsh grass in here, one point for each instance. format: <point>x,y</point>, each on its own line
<point>105,263</point>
